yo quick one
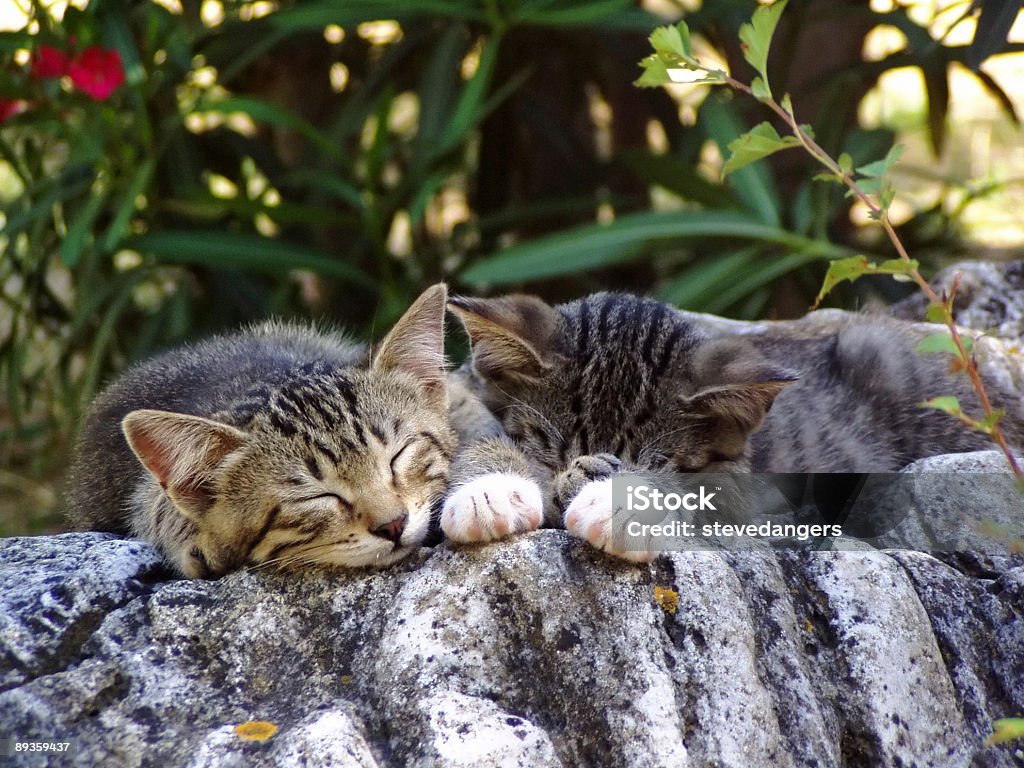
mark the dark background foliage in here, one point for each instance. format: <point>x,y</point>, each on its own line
<point>328,158</point>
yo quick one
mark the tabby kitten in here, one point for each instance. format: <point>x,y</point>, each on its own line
<point>279,444</point>
<point>614,383</point>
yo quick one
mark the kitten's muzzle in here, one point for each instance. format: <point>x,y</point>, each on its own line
<point>393,530</point>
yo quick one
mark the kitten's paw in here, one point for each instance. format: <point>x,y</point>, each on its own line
<point>583,470</point>
<point>591,516</point>
<point>492,507</point>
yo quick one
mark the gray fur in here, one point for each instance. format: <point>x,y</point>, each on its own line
<point>279,444</point>
<point>662,390</point>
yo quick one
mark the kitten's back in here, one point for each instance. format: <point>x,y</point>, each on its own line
<point>857,404</point>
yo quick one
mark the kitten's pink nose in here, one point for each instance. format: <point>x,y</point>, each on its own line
<point>392,531</point>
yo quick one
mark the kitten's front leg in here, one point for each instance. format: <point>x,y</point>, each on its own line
<point>584,490</point>
<point>492,494</point>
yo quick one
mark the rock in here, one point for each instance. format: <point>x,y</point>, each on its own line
<point>966,502</point>
<point>538,651</point>
<point>990,298</point>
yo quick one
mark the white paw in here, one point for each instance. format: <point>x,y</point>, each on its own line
<point>492,507</point>
<point>591,516</point>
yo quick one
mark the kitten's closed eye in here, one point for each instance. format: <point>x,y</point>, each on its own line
<point>420,459</point>
<point>269,445</point>
<point>342,503</point>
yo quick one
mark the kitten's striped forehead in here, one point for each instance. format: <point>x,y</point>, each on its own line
<point>620,340</point>
<point>324,407</point>
<point>619,352</point>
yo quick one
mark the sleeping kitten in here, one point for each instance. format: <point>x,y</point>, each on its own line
<point>279,444</point>
<point>613,382</point>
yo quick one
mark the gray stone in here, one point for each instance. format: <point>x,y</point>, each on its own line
<point>538,651</point>
<point>966,502</point>
<point>990,298</point>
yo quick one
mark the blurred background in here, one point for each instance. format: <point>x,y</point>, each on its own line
<point>170,168</point>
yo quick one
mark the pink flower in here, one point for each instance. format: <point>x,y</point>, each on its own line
<point>97,72</point>
<point>49,62</point>
<point>11,107</point>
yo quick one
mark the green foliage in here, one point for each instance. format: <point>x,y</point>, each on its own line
<point>759,142</point>
<point>943,343</point>
<point>854,267</point>
<point>318,161</point>
<point>627,239</point>
<point>756,39</point>
<point>1007,729</point>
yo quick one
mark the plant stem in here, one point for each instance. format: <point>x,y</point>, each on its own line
<point>881,215</point>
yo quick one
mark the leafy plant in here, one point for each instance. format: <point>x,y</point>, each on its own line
<point>868,183</point>
<point>168,173</point>
<point>328,157</point>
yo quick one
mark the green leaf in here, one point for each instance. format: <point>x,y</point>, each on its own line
<point>598,245</point>
<point>671,40</point>
<point>936,313</point>
<point>756,37</point>
<point>760,141</point>
<point>753,185</point>
<point>764,272</point>
<point>881,167</point>
<point>692,288</point>
<point>760,89</point>
<point>850,269</point>
<point>104,333</point>
<point>943,342</point>
<point>80,229</point>
<point>469,107</point>
<point>671,52</point>
<point>329,183</point>
<point>228,250</point>
<point>655,72</point>
<point>828,176</point>
<point>317,14</point>
<point>126,206</point>
<point>436,91</point>
<point>946,403</point>
<point>988,424</point>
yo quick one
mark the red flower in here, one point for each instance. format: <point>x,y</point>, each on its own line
<point>49,62</point>
<point>97,72</point>
<point>11,107</point>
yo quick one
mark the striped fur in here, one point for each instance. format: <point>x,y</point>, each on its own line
<point>614,382</point>
<point>279,445</point>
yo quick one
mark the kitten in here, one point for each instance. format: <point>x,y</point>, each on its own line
<point>613,382</point>
<point>279,444</point>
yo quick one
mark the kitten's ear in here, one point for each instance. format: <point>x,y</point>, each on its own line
<point>416,343</point>
<point>744,387</point>
<point>510,336</point>
<point>182,452</point>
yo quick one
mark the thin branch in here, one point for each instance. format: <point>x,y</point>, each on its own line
<point>881,215</point>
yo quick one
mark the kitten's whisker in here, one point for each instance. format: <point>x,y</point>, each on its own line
<point>658,438</point>
<point>519,403</point>
<point>300,553</point>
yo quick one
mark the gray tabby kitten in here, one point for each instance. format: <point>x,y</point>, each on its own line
<point>614,382</point>
<point>279,444</point>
